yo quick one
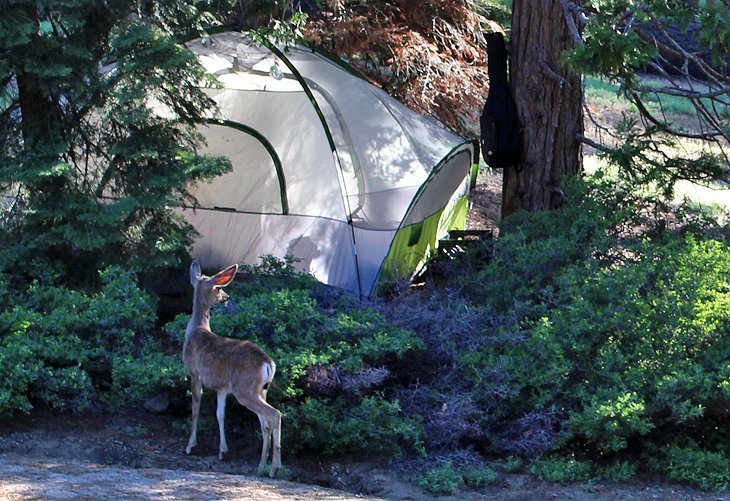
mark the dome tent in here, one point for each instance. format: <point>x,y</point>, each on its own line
<point>327,168</point>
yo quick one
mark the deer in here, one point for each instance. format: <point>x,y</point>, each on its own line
<point>228,366</point>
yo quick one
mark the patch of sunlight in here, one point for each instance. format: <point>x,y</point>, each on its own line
<point>717,194</point>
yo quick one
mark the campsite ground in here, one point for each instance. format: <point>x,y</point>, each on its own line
<point>137,454</point>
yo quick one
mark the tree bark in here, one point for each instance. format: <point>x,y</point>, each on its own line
<point>549,100</point>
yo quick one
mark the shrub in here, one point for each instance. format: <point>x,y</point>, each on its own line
<point>511,464</point>
<point>442,480</point>
<point>289,325</point>
<point>58,346</point>
<point>479,476</point>
<point>610,421</point>
<point>338,426</point>
<point>19,368</point>
<point>570,469</point>
<point>145,374</point>
<point>705,469</point>
<point>560,469</point>
<point>619,471</point>
<point>650,338</point>
<point>603,331</point>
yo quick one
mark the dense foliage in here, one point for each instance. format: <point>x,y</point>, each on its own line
<point>98,102</point>
<point>604,337</point>
<point>660,51</point>
<point>332,362</point>
<point>68,350</point>
<point>592,344</point>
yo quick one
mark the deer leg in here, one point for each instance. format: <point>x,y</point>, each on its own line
<point>266,436</point>
<point>276,434</point>
<point>270,420</point>
<point>221,415</point>
<point>196,388</point>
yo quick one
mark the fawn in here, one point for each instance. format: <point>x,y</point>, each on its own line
<point>228,366</point>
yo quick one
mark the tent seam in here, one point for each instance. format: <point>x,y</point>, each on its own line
<point>328,133</point>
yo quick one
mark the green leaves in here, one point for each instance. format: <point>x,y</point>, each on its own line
<point>338,426</point>
<point>619,308</point>
<point>68,349</point>
<point>331,363</point>
<point>714,33</point>
<point>669,61</point>
<point>610,51</point>
<point>442,480</point>
<point>706,469</point>
<point>649,352</point>
<point>611,421</point>
<point>85,122</point>
<point>300,336</point>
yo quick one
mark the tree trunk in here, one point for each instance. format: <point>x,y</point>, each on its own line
<point>549,100</point>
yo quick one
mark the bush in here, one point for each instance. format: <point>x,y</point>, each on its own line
<point>479,476</point>
<point>602,332</point>
<point>66,348</point>
<point>442,480</point>
<point>371,426</point>
<point>559,469</point>
<point>650,336</point>
<point>134,377</point>
<point>511,464</point>
<point>705,469</point>
<point>618,471</point>
<point>288,324</point>
<point>596,331</point>
<point>571,469</point>
<point>446,479</point>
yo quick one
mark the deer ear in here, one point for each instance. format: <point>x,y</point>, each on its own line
<point>195,273</point>
<point>225,277</point>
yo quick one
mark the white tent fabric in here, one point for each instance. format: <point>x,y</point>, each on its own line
<point>326,166</point>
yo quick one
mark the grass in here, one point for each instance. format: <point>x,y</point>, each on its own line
<point>601,93</point>
<point>715,194</point>
<point>605,96</point>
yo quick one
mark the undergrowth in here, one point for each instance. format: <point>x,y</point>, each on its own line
<point>590,345</point>
<point>593,339</point>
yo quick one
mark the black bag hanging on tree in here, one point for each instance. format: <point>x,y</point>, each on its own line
<point>501,134</point>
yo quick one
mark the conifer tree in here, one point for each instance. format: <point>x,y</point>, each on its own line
<point>90,169</point>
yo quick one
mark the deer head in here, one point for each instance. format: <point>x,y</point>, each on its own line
<point>209,290</point>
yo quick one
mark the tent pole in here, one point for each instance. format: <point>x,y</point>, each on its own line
<point>267,43</point>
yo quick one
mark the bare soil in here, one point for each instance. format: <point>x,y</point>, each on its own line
<point>486,201</point>
<point>135,454</point>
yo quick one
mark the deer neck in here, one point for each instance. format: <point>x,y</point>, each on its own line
<point>200,318</point>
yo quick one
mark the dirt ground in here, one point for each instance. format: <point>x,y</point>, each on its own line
<point>486,201</point>
<point>136,454</point>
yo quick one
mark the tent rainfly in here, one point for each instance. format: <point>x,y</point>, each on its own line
<point>327,168</point>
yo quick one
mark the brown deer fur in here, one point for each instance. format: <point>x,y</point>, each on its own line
<point>228,366</point>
